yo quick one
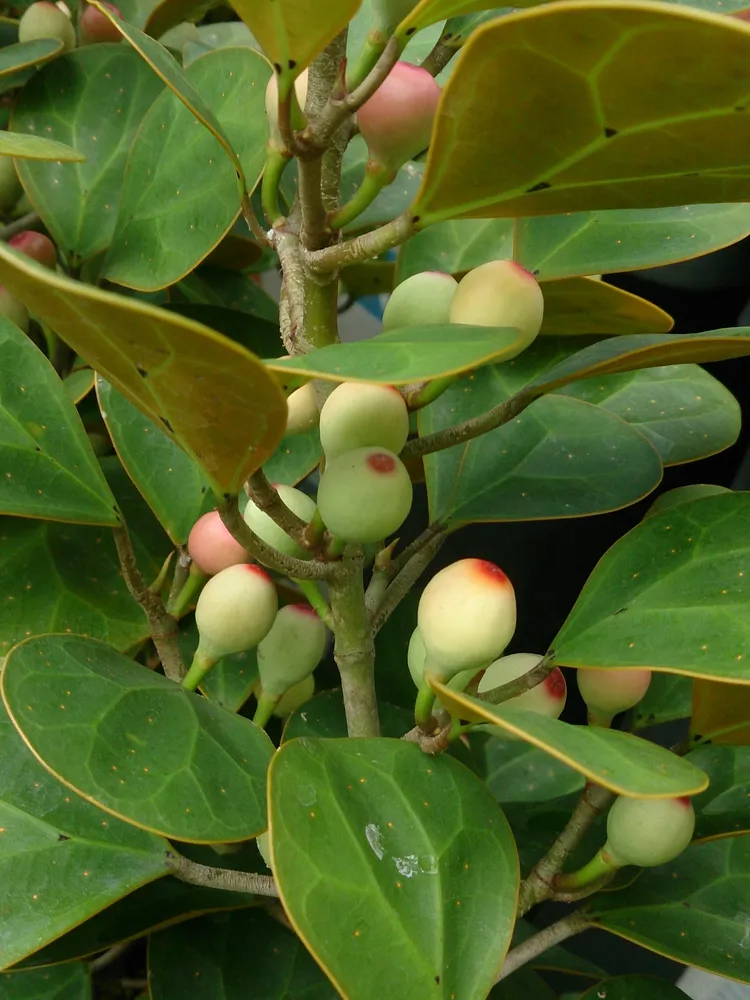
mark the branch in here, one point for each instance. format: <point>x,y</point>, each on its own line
<point>436,61</point>
<point>266,498</point>
<point>316,233</point>
<point>539,884</point>
<point>553,935</point>
<point>288,249</point>
<point>162,626</point>
<point>436,528</point>
<point>25,222</point>
<point>220,878</point>
<point>406,579</point>
<point>469,429</point>
<point>363,247</point>
<point>520,685</point>
<point>265,554</point>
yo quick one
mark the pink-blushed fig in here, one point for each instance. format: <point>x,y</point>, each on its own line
<point>466,617</point>
<point>291,650</point>
<point>396,122</point>
<point>298,104</point>
<point>422,300</point>
<point>302,413</point>
<point>547,698</point>
<point>648,832</point>
<point>500,293</point>
<point>13,309</point>
<point>364,495</point>
<point>10,186</point>
<point>46,20</point>
<point>35,245</point>
<point>235,611</point>
<point>363,415</point>
<point>611,691</point>
<point>212,546</point>
<point>295,697</point>
<point>268,530</point>
<point>93,26</point>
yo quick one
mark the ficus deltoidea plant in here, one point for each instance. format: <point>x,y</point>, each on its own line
<point>265,704</point>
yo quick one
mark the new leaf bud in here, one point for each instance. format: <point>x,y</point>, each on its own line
<point>396,122</point>
<point>46,20</point>
<point>212,547</point>
<point>291,650</point>
<point>235,610</point>
<point>422,300</point>
<point>611,691</point>
<point>500,293</point>
<point>547,698</point>
<point>363,415</point>
<point>302,413</point>
<point>364,495</point>
<point>648,832</point>
<point>268,530</point>
<point>466,616</point>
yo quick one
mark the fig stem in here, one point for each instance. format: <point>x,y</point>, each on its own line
<point>318,603</point>
<point>591,875</point>
<point>200,666</point>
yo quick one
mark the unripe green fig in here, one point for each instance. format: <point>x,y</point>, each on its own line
<point>466,617</point>
<point>302,413</point>
<point>416,655</point>
<point>13,309</point>
<point>422,300</point>
<point>212,547</point>
<point>611,691</point>
<point>93,26</point>
<point>10,186</point>
<point>235,611</point>
<point>648,832</point>
<point>295,697</point>
<point>291,650</point>
<point>547,698</point>
<point>363,415</point>
<point>268,530</point>
<point>298,104</point>
<point>396,122</point>
<point>46,20</point>
<point>364,495</point>
<point>500,293</point>
<point>35,245</point>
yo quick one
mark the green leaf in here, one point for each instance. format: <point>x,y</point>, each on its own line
<point>218,286</point>
<point>456,246</point>
<point>36,147</point>
<point>218,956</point>
<point>295,458</point>
<point>562,246</point>
<point>520,772</point>
<point>619,151</point>
<point>720,713</point>
<point>587,307</point>
<point>79,383</point>
<point>521,986</point>
<point>48,467</point>
<point>559,458</point>
<point>723,810</point>
<point>234,414</point>
<point>232,681</point>
<point>62,982</point>
<point>556,959</point>
<point>179,196</point>
<point>93,98</point>
<point>409,354</point>
<point>623,763</point>
<point>634,988</point>
<point>137,744</point>
<point>378,851</point>
<point>65,577</point>
<point>670,595</point>
<point>692,910</point>
<point>168,14</point>
<point>373,278</point>
<point>684,412</point>
<point>62,860</point>
<point>25,55</point>
<point>669,697</point>
<point>324,717</point>
<point>258,335</point>
<point>171,483</point>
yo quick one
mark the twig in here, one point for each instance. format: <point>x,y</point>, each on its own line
<point>363,247</point>
<point>539,884</point>
<point>469,429</point>
<point>288,249</point>
<point>109,956</point>
<point>436,60</point>
<point>265,554</point>
<point>430,532</point>
<point>520,685</point>
<point>18,226</point>
<point>162,626</point>
<point>553,935</point>
<point>251,219</point>
<point>266,498</point>
<point>220,878</point>
<point>406,580</point>
<point>180,577</point>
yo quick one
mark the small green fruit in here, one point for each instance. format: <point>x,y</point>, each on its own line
<point>235,611</point>
<point>269,531</point>
<point>364,495</point>
<point>422,300</point>
<point>13,309</point>
<point>10,186</point>
<point>466,617</point>
<point>611,691</point>
<point>547,698</point>
<point>295,697</point>
<point>363,415</point>
<point>212,547</point>
<point>46,20</point>
<point>500,293</point>
<point>648,832</point>
<point>396,122</point>
<point>291,650</point>
<point>302,410</point>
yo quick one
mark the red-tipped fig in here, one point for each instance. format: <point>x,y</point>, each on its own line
<point>466,617</point>
<point>547,698</point>
<point>421,300</point>
<point>364,495</point>
<point>212,547</point>
<point>235,610</point>
<point>611,691</point>
<point>35,245</point>
<point>500,293</point>
<point>648,832</point>
<point>93,26</point>
<point>362,415</point>
<point>396,122</point>
<point>292,649</point>
<point>46,20</point>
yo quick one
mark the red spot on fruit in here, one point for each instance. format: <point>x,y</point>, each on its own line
<point>524,271</point>
<point>685,801</point>
<point>489,570</point>
<point>258,570</point>
<point>555,684</point>
<point>304,609</point>
<point>381,462</point>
